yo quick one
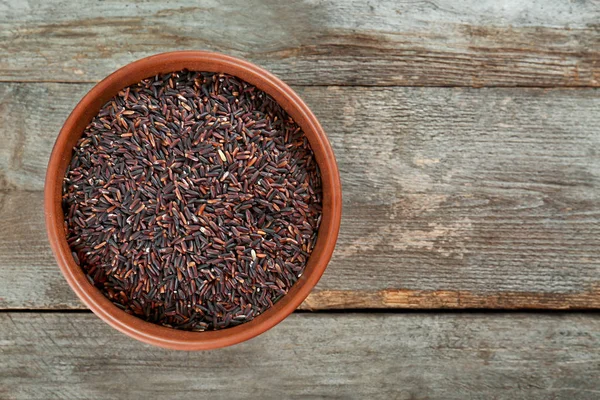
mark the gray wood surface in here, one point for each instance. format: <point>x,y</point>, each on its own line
<point>382,356</point>
<point>409,43</point>
<point>453,197</point>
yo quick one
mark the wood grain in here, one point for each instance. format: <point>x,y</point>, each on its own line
<point>382,356</point>
<point>453,197</point>
<point>408,43</point>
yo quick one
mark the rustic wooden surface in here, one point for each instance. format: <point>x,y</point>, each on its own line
<point>412,43</point>
<point>381,356</point>
<point>453,197</point>
<point>468,139</point>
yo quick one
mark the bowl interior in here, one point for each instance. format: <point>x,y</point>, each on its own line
<point>82,116</point>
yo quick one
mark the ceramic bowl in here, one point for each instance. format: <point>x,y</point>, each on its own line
<point>72,130</point>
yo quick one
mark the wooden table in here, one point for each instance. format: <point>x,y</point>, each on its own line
<point>468,139</point>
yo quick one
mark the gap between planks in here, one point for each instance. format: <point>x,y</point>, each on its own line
<point>338,85</point>
<point>404,300</point>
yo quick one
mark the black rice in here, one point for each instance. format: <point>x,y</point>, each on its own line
<point>192,200</point>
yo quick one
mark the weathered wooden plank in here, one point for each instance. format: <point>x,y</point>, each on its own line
<point>458,198</point>
<point>30,279</point>
<point>431,43</point>
<point>382,356</point>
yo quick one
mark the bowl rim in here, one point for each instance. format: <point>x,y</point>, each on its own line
<point>88,107</point>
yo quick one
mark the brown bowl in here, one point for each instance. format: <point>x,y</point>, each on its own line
<point>72,130</point>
